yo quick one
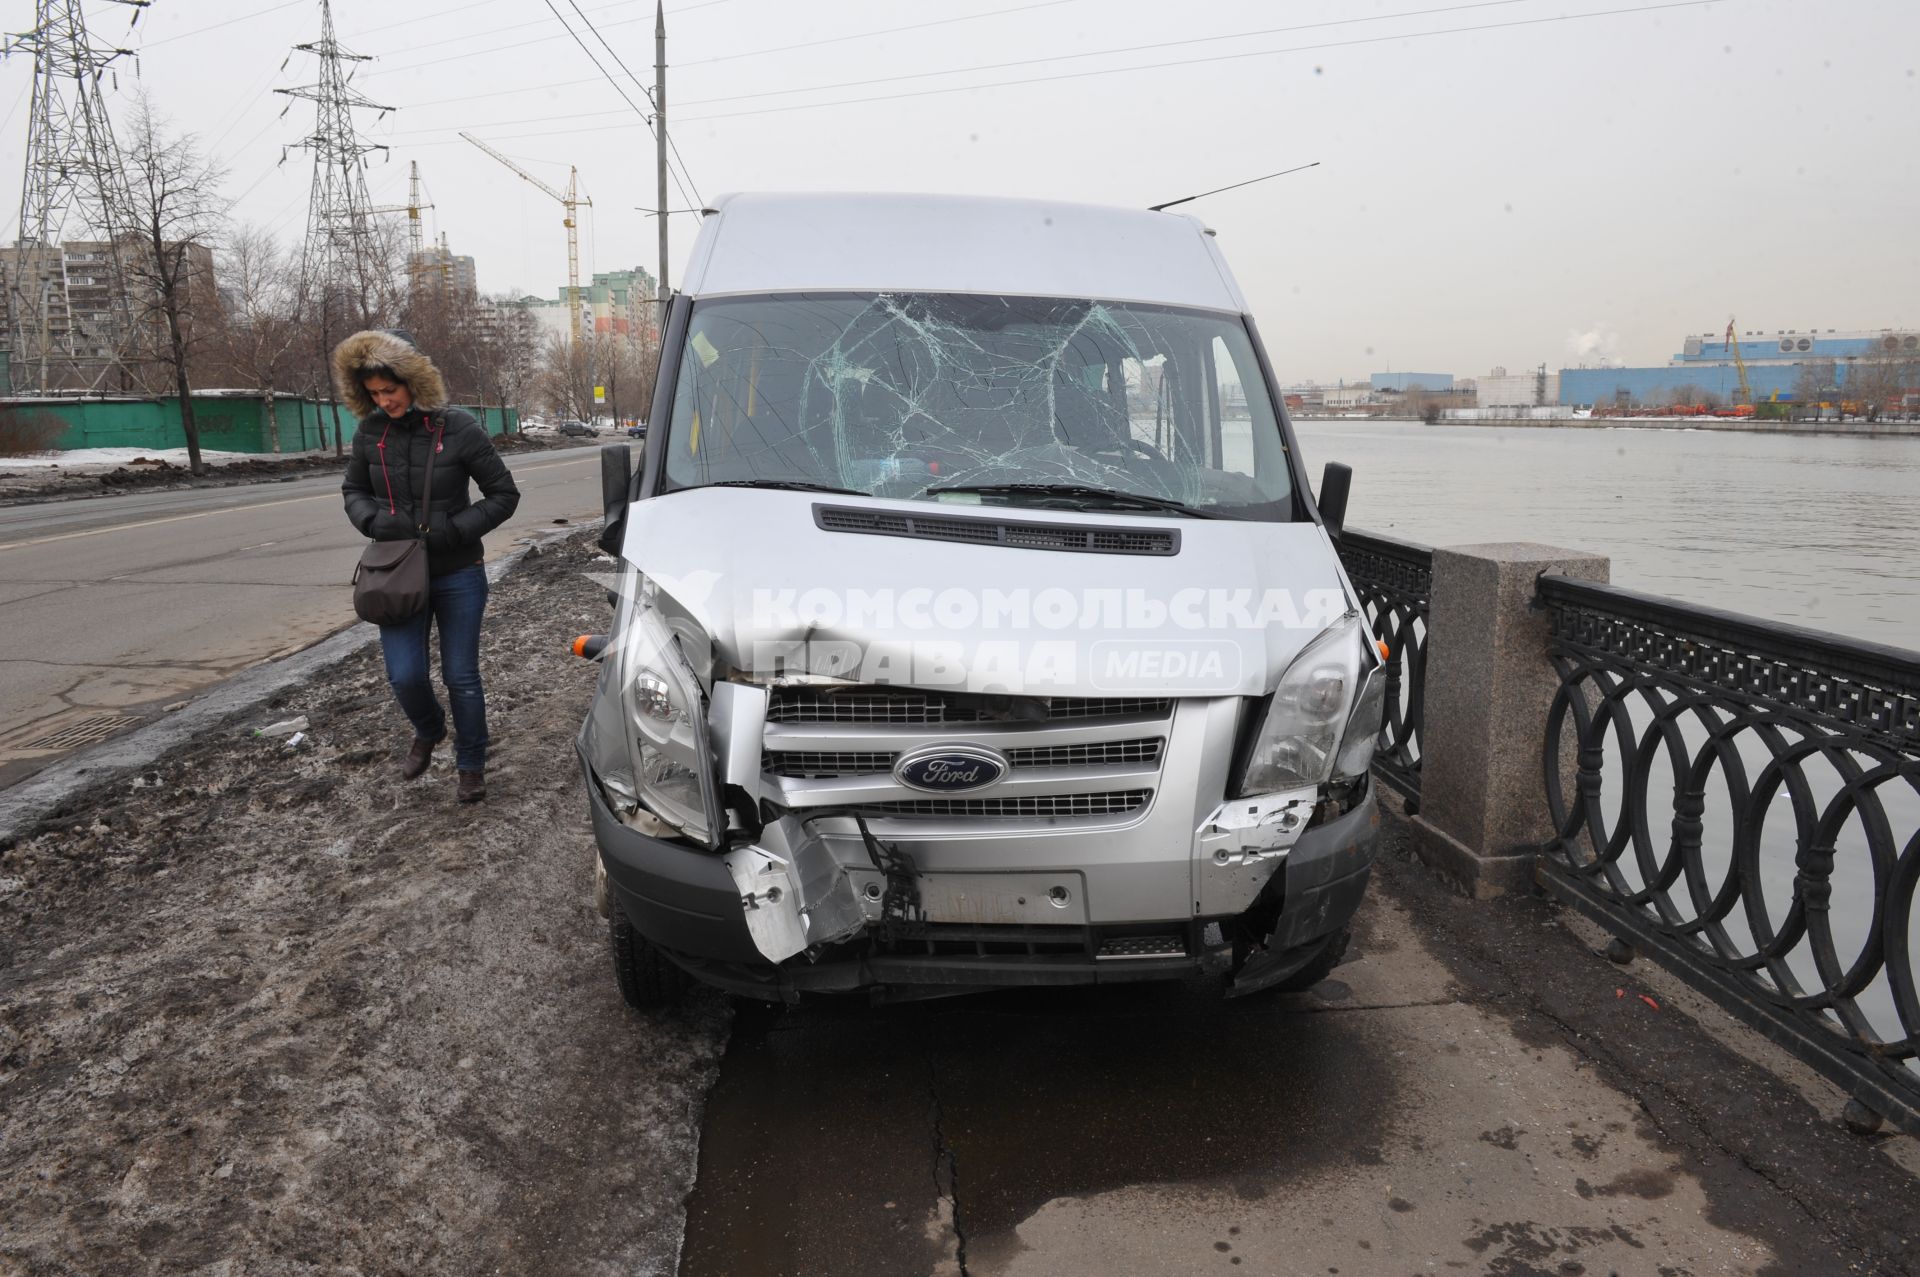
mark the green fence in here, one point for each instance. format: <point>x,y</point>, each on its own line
<point>227,423</point>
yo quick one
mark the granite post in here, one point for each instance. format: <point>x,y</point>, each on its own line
<point>1483,808</point>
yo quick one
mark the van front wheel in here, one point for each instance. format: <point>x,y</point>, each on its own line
<point>647,977</point>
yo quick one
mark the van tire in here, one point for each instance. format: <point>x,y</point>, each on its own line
<point>647,977</point>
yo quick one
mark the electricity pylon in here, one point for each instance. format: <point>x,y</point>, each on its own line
<point>73,166</point>
<point>340,245</point>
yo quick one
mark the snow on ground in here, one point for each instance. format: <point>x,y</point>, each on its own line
<point>108,458</point>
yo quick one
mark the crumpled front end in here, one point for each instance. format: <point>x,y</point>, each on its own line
<point>777,828</point>
<point>1093,860</point>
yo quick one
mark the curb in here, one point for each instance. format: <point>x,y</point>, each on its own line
<point>25,804</point>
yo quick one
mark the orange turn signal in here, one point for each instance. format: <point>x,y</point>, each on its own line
<point>1382,645</point>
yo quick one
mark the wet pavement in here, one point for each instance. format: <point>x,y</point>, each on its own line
<point>1413,1114</point>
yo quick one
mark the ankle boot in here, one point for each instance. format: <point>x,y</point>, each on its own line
<point>473,786</point>
<point>417,758</point>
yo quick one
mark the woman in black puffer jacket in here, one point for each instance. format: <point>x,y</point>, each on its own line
<point>402,402</point>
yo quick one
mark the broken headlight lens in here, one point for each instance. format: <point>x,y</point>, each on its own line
<point>1309,714</point>
<point>672,767</point>
<point>1363,726</point>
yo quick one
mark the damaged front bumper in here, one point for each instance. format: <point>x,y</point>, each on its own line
<point>784,916</point>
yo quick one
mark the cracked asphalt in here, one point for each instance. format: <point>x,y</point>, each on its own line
<point>1475,1090</point>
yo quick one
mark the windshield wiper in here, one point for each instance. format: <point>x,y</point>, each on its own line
<point>1079,492</point>
<point>786,485</point>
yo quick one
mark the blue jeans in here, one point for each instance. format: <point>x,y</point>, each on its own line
<point>454,602</point>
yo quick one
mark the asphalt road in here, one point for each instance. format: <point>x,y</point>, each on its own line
<point>111,609</point>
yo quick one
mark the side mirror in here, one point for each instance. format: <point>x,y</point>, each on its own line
<point>1334,484</point>
<point>616,476</point>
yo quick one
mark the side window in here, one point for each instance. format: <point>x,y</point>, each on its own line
<point>1232,421</point>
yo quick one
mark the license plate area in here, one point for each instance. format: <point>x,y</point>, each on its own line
<point>996,900</point>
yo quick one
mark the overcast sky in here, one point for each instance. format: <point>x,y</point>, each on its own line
<point>1500,183</point>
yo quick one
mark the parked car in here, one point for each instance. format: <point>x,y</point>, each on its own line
<point>637,430</point>
<point>577,429</point>
<point>1111,714</point>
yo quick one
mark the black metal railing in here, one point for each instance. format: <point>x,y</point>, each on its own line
<point>1395,582</point>
<point>1741,800</point>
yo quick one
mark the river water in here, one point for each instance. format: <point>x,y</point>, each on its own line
<point>1815,530</point>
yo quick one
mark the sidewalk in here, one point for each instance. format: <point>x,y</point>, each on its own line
<point>1474,1091</point>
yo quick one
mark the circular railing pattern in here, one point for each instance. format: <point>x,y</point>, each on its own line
<point>1691,757</point>
<point>1394,581</point>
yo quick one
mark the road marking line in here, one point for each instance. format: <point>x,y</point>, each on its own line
<point>232,509</point>
<point>172,518</point>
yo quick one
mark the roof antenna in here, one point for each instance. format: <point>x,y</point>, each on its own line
<point>1155,208</point>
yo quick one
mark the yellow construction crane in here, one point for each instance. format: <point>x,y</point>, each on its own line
<point>572,199</point>
<point>1733,344</point>
<point>412,209</point>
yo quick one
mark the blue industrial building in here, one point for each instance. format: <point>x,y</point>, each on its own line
<point>1706,364</point>
<point>1586,387</point>
<point>1402,382</point>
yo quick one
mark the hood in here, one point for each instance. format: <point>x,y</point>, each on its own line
<point>779,596</point>
<point>378,350</point>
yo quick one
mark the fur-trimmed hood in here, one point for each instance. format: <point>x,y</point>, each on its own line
<point>382,350</point>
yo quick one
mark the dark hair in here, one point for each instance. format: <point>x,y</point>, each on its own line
<point>379,370</point>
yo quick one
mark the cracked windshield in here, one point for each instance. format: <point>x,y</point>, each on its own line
<point>1040,402</point>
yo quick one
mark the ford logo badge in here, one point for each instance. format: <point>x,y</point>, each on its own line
<point>945,769</point>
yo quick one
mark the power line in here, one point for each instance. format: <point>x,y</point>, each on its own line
<point>499,48</point>
<point>1114,52</point>
<point>671,144</point>
<point>1221,57</point>
<point>998,66</point>
<point>1078,75</point>
<point>867,35</point>
<point>609,78</point>
<point>428,17</point>
<point>858,35</point>
<point>245,17</point>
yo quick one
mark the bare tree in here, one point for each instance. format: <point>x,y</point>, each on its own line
<point>263,284</point>
<point>1817,382</point>
<point>1880,381</point>
<point>621,368</point>
<point>563,379</point>
<point>174,213</point>
<point>510,351</point>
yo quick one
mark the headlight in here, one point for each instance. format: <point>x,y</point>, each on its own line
<point>1308,735</point>
<point>673,767</point>
<point>1363,726</point>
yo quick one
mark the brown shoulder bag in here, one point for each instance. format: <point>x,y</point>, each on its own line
<point>390,581</point>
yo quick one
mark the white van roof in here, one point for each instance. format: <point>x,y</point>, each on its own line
<point>851,242</point>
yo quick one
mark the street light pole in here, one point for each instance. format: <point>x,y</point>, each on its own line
<point>660,144</point>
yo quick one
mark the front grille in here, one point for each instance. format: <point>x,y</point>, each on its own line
<point>813,765</point>
<point>810,705</point>
<point>990,531</point>
<point>907,705</point>
<point>1112,753</point>
<point>1107,707</point>
<point>819,765</point>
<point>1119,803</point>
